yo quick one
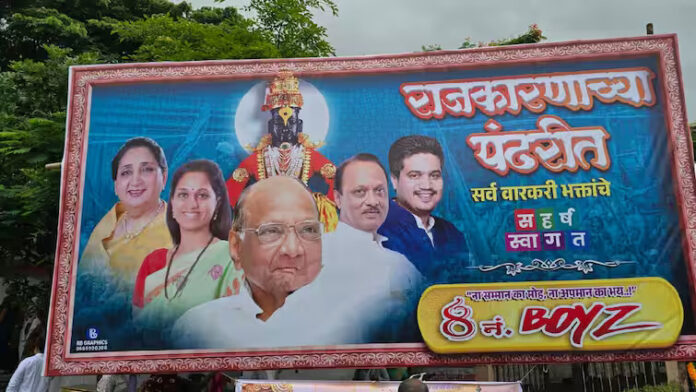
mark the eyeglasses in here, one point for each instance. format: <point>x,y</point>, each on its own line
<point>268,233</point>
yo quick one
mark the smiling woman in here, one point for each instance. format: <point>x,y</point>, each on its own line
<point>198,268</point>
<point>136,224</point>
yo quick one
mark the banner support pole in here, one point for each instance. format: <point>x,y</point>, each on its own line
<point>132,383</point>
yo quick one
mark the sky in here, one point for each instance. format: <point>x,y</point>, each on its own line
<point>365,27</point>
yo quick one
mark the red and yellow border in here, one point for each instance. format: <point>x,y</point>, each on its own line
<point>83,78</point>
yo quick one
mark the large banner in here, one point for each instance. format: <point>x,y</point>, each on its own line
<point>411,210</point>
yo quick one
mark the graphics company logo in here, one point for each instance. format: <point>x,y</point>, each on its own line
<point>92,333</point>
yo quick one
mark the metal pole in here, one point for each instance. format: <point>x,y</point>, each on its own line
<point>582,367</point>
<point>53,166</point>
<point>132,383</point>
<point>645,373</point>
<point>652,371</point>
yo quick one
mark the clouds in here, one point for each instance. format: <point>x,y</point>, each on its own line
<point>396,26</point>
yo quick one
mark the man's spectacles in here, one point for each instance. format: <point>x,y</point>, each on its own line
<point>309,230</point>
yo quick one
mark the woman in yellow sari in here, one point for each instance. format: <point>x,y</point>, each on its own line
<point>136,225</point>
<point>198,268</point>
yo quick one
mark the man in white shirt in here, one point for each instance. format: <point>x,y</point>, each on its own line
<point>362,197</point>
<point>386,283</point>
<point>29,374</point>
<point>276,239</point>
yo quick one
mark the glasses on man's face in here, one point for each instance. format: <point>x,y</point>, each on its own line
<point>268,233</point>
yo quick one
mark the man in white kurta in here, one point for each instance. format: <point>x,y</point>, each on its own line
<point>319,314</point>
<point>288,298</point>
<point>361,295</point>
<point>346,304</point>
<point>386,281</point>
<point>358,257</point>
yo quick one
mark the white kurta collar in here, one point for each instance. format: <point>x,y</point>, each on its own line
<point>247,302</point>
<point>349,232</point>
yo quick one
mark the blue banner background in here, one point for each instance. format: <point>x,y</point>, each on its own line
<point>639,222</point>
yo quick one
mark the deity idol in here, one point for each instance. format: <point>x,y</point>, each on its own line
<point>287,151</point>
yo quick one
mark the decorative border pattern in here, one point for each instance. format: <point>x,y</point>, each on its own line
<point>584,266</point>
<point>679,352</point>
<point>84,77</point>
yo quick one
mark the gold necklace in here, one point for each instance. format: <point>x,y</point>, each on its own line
<point>129,235</point>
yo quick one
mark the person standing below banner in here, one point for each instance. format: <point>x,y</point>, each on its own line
<point>415,163</point>
<point>29,374</point>
<point>413,385</point>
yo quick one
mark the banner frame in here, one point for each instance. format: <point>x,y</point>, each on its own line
<point>82,78</point>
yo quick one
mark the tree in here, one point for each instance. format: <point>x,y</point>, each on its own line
<point>28,31</point>
<point>28,25</point>
<point>32,125</point>
<point>291,28</point>
<point>41,39</point>
<point>162,38</point>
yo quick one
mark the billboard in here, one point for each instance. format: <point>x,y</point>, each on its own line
<point>520,204</point>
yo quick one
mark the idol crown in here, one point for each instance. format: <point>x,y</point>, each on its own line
<point>283,91</point>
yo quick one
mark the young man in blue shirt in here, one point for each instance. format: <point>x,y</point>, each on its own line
<point>429,242</point>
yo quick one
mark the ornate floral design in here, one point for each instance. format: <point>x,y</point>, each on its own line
<point>328,170</point>
<point>85,78</point>
<point>584,266</point>
<point>240,174</point>
<point>420,357</point>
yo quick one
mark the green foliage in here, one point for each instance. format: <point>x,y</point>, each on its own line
<point>76,24</point>
<point>29,296</point>
<point>531,36</point>
<point>210,15</point>
<point>671,387</point>
<point>34,88</point>
<point>28,193</point>
<point>32,126</point>
<point>431,47</point>
<point>161,38</point>
<point>290,26</point>
<point>96,9</point>
<point>467,44</point>
<point>41,39</point>
<point>26,33</point>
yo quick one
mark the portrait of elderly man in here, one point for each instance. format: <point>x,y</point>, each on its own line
<point>415,164</point>
<point>276,238</point>
<point>386,280</point>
